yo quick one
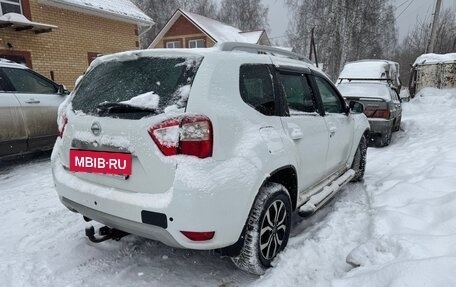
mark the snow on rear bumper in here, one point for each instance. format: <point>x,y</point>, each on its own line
<point>189,206</point>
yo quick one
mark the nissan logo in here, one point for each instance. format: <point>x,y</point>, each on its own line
<point>96,128</point>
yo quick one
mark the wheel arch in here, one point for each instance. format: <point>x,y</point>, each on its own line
<point>288,177</point>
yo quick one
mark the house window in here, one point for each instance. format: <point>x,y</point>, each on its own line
<point>196,43</point>
<point>8,6</point>
<point>173,44</point>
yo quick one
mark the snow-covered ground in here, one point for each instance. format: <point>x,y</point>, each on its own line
<point>399,226</point>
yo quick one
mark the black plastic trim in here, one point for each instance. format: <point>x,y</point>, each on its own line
<point>154,218</point>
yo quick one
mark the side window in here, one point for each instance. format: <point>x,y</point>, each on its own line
<point>27,82</point>
<point>331,102</point>
<point>298,93</point>
<point>255,84</point>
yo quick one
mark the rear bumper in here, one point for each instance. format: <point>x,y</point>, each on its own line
<point>188,206</point>
<point>380,126</point>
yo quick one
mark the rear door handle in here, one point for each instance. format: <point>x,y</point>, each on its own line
<point>32,101</point>
<point>332,132</point>
<point>296,133</point>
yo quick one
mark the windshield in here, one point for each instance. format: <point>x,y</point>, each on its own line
<point>148,84</point>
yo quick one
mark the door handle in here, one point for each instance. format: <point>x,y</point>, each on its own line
<point>32,101</point>
<point>296,134</point>
<point>332,132</point>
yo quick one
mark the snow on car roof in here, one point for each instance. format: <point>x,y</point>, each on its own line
<point>435,58</point>
<point>364,70</point>
<point>365,90</point>
<point>119,9</point>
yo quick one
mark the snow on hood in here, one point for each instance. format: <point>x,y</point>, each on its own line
<point>435,58</point>
<point>147,100</point>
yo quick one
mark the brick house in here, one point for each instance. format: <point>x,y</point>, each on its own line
<point>190,30</point>
<point>59,38</point>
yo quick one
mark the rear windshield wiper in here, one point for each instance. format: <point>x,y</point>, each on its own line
<point>117,108</point>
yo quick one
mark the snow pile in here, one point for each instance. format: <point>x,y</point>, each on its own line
<point>412,189</point>
<point>435,58</point>
<point>147,100</point>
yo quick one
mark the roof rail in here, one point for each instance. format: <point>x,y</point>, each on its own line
<point>364,79</point>
<point>260,49</point>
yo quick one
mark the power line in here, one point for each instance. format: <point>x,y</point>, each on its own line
<point>405,9</point>
<point>399,6</point>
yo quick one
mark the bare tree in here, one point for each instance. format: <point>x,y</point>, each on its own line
<point>206,8</point>
<point>345,30</point>
<point>247,15</point>
<point>418,39</point>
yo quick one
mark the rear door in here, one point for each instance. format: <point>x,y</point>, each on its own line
<point>305,127</point>
<point>13,137</point>
<point>39,103</point>
<point>339,123</point>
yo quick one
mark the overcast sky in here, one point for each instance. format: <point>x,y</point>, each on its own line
<point>416,10</point>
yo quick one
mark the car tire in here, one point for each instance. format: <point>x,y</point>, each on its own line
<point>265,236</point>
<point>398,126</point>
<point>359,161</point>
<point>384,139</point>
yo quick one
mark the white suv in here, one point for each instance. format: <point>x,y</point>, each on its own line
<point>206,148</point>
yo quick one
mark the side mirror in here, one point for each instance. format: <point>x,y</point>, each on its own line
<point>356,107</point>
<point>62,90</point>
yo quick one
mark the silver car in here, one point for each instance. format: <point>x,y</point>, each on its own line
<point>28,110</point>
<point>382,107</point>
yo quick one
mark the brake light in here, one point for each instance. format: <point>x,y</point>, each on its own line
<point>384,114</point>
<point>380,113</point>
<point>189,135</point>
<point>63,121</point>
<point>199,236</point>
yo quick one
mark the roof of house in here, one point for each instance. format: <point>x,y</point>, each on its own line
<point>216,30</point>
<point>122,10</point>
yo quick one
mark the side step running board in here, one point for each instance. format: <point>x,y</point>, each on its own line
<point>319,199</point>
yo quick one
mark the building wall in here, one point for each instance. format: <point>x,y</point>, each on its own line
<point>183,31</point>
<point>64,51</point>
<point>442,76</point>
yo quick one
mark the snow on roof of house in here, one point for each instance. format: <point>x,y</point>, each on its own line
<point>216,30</point>
<point>435,58</point>
<point>122,10</point>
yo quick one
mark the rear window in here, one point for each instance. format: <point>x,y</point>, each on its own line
<point>366,90</point>
<point>149,85</point>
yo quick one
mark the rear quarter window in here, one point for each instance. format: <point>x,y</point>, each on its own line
<point>256,88</point>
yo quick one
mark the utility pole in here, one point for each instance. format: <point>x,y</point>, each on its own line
<point>435,21</point>
<point>313,48</point>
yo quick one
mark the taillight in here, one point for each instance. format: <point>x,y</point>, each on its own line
<point>199,236</point>
<point>63,121</point>
<point>384,114</point>
<point>380,113</point>
<point>189,135</point>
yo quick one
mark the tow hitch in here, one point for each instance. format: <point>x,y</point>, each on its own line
<point>105,233</point>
